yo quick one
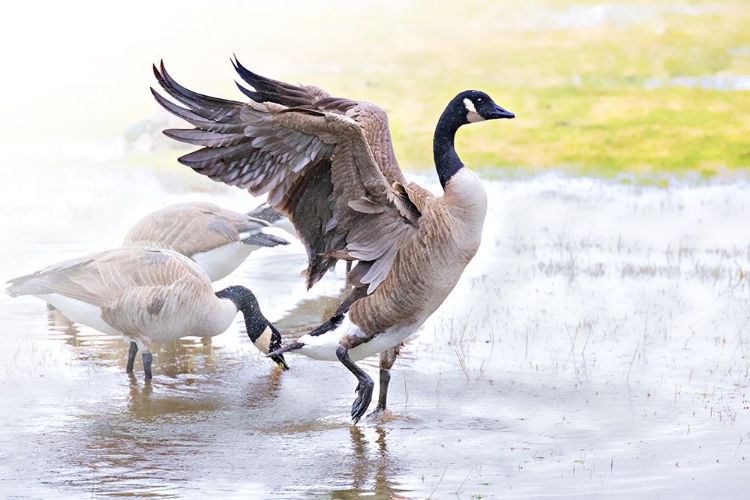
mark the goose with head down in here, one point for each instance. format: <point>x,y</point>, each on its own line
<point>328,164</point>
<point>147,295</point>
<point>217,239</point>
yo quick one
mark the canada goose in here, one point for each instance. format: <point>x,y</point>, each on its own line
<point>219,240</point>
<point>328,164</point>
<point>147,295</point>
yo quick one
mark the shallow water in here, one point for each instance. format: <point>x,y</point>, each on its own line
<point>597,345</point>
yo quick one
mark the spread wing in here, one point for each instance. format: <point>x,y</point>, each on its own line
<point>310,153</point>
<point>99,278</point>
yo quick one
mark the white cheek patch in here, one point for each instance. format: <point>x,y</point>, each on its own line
<point>471,111</point>
<point>469,104</point>
<point>264,341</point>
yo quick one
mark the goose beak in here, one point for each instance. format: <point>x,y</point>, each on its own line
<point>279,360</point>
<point>498,112</point>
<point>274,348</point>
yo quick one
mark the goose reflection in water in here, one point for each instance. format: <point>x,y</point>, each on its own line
<point>373,468</point>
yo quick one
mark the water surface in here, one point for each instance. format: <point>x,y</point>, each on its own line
<point>597,345</point>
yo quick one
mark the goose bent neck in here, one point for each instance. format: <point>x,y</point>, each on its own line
<point>447,162</point>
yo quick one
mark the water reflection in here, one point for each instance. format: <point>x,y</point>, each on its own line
<point>256,395</point>
<point>60,325</point>
<point>372,469</point>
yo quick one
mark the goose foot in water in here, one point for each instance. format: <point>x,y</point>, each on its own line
<point>147,360</point>
<point>387,358</point>
<point>364,387</point>
<point>380,411</point>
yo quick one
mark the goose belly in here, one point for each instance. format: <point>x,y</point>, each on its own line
<point>178,319</point>
<point>324,346</point>
<point>80,312</point>
<point>382,342</point>
<point>176,329</point>
<point>221,261</point>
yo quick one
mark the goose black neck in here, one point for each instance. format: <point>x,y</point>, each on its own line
<point>447,162</point>
<point>245,301</point>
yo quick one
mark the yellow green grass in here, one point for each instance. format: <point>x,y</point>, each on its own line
<point>595,87</point>
<point>594,97</point>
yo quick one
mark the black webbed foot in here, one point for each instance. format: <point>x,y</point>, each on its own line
<point>364,385</point>
<point>364,397</point>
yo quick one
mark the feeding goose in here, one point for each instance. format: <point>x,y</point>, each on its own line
<point>219,240</point>
<point>147,295</point>
<point>328,164</point>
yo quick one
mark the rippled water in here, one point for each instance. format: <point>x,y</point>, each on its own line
<point>596,345</point>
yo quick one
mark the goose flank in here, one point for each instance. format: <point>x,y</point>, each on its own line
<point>328,164</point>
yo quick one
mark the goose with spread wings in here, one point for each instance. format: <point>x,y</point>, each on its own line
<point>328,164</point>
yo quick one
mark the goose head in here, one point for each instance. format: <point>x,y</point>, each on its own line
<point>476,106</point>
<point>470,106</point>
<point>262,333</point>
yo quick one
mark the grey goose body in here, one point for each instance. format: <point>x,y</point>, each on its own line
<point>146,295</point>
<point>328,164</point>
<point>217,239</point>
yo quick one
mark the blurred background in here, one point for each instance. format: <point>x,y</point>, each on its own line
<point>646,90</point>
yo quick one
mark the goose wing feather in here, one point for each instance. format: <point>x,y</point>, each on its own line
<point>99,278</point>
<point>372,119</point>
<point>189,228</point>
<point>136,309</point>
<point>311,154</point>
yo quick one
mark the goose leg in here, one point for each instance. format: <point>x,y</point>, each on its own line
<point>364,387</point>
<point>132,351</point>
<point>387,358</point>
<point>147,358</point>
